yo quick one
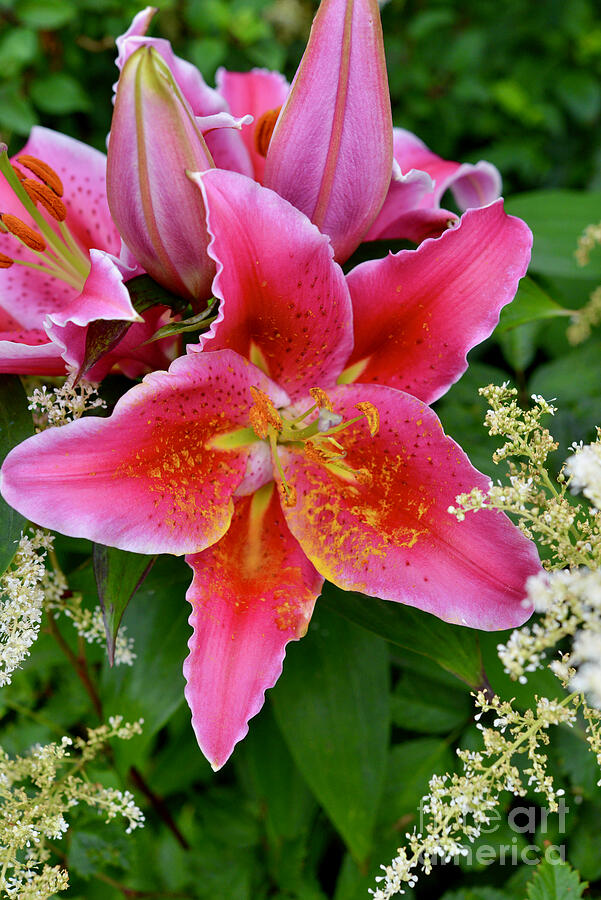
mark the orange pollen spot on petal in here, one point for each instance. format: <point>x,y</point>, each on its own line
<point>371,414</point>
<point>264,130</point>
<point>41,193</point>
<point>43,171</point>
<point>263,414</point>
<point>5,261</point>
<point>25,234</point>
<point>321,398</point>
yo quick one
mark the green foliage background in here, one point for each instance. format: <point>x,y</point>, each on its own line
<point>374,699</point>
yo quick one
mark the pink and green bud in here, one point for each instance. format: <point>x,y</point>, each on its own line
<point>155,139</point>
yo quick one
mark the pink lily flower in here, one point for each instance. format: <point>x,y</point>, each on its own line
<point>268,463</point>
<point>59,254</point>
<point>412,209</point>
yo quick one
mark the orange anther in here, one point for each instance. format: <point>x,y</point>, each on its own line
<point>41,193</point>
<point>5,261</point>
<point>371,414</point>
<point>20,175</point>
<point>25,234</point>
<point>263,413</point>
<point>264,130</point>
<point>321,398</point>
<point>43,171</point>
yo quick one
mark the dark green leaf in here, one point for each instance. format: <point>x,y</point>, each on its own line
<point>410,767</point>
<point>16,112</point>
<point>530,304</point>
<point>45,14</point>
<point>555,882</point>
<point>15,425</point>
<point>59,93</point>
<point>118,576</point>
<point>270,776</point>
<point>145,292</point>
<point>193,323</point>
<point>519,345</point>
<point>421,704</point>
<point>332,706</point>
<point>453,647</point>
<point>557,219</point>
<point>585,841</point>
<point>153,687</point>
<point>476,893</point>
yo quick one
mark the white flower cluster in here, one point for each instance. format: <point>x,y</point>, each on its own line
<point>63,404</point>
<point>584,471</point>
<point>21,602</point>
<point>88,623</point>
<point>36,792</point>
<point>458,806</point>
<point>570,605</point>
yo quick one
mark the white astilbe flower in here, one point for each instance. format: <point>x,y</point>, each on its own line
<point>37,791</point>
<point>88,623</point>
<point>584,471</point>
<point>21,602</point>
<point>63,404</point>
<point>458,806</point>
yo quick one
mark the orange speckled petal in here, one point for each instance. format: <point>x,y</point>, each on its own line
<point>145,479</point>
<point>252,593</point>
<point>393,537</point>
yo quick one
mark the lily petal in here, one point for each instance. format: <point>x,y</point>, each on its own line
<point>252,592</point>
<point>435,303</point>
<point>285,304</point>
<point>471,185</point>
<point>29,353</point>
<point>159,214</point>
<point>148,478</point>
<point>389,533</point>
<point>331,151</point>
<point>255,92</point>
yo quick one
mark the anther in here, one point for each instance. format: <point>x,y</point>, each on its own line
<point>25,234</point>
<point>43,171</point>
<point>20,175</point>
<point>263,413</point>
<point>321,398</point>
<point>371,414</point>
<point>287,493</point>
<point>5,261</point>
<point>41,193</point>
<point>264,130</point>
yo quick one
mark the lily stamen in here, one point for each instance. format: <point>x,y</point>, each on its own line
<point>43,171</point>
<point>22,232</point>
<point>264,130</point>
<point>41,193</point>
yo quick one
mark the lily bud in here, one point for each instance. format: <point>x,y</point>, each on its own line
<point>331,150</point>
<point>155,138</point>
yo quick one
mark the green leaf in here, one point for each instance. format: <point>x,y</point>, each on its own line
<point>410,767</point>
<point>193,323</point>
<point>453,647</point>
<point>45,14</point>
<point>557,219</point>
<point>118,574</point>
<point>153,688</point>
<point>476,893</point>
<point>421,704</point>
<point>332,706</point>
<point>530,304</point>
<point>16,112</point>
<point>585,842</point>
<point>59,94</point>
<point>18,48</point>
<point>519,345</point>
<point>15,426</point>
<point>555,882</point>
<point>270,776</point>
<point>145,292</point>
